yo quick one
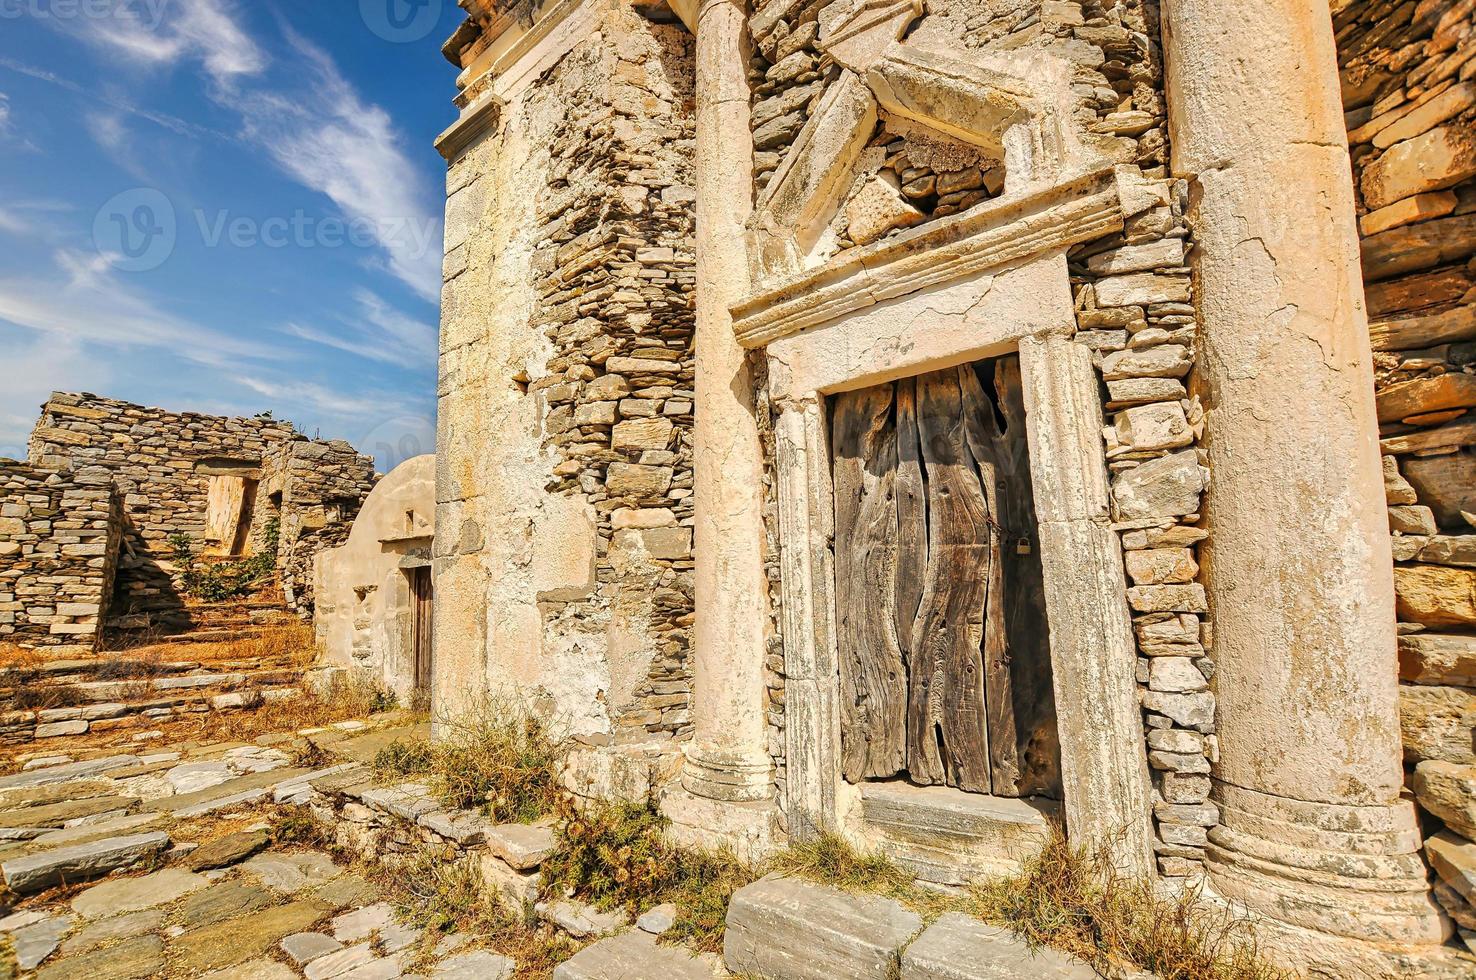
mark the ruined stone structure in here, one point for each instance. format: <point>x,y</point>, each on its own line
<point>227,484</point>
<point>59,537</point>
<point>373,600</point>
<point>926,420</point>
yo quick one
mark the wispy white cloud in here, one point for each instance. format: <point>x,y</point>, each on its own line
<point>33,369</point>
<point>308,118</point>
<point>378,331</point>
<point>328,138</point>
<point>83,300</point>
<point>10,134</point>
<point>164,120</point>
<point>204,31</point>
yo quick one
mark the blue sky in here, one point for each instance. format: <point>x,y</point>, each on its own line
<point>226,206</point>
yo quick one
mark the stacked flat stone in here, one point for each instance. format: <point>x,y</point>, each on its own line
<point>788,74</point>
<point>1409,85</point>
<point>615,282</point>
<point>1135,311</point>
<point>161,464</point>
<point>59,536</point>
<point>315,490</point>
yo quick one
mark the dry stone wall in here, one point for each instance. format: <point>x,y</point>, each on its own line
<point>162,464</point>
<point>1409,90</point>
<point>59,537</point>
<point>566,403</point>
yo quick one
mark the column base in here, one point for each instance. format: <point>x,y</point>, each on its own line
<point>749,830</point>
<point>1346,871</point>
<point>727,776</point>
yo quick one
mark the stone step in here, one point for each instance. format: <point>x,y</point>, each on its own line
<point>958,947</point>
<point>37,872</point>
<point>787,929</point>
<point>950,837</point>
<point>638,956</point>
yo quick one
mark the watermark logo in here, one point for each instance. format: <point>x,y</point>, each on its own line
<point>147,14</point>
<point>396,440</point>
<point>401,21</point>
<point>136,230</point>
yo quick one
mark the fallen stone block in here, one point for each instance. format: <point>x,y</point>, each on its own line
<point>521,846</point>
<point>958,947</point>
<point>479,965</point>
<point>781,927</point>
<point>636,956</point>
<point>37,872</point>
<point>579,920</point>
<point>228,850</point>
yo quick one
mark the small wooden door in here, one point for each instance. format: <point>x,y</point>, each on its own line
<point>944,651</point>
<point>230,502</point>
<point>422,608</point>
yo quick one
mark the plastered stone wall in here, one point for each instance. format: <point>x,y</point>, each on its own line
<point>1408,88</point>
<point>162,463</point>
<point>363,602</point>
<point>59,536</point>
<point>564,544</point>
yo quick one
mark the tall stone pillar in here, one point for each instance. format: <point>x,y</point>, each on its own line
<point>727,759</point>
<point>1298,561</point>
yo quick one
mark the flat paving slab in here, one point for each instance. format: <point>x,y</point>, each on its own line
<point>784,927</point>
<point>637,956</point>
<point>37,872</point>
<point>959,947</point>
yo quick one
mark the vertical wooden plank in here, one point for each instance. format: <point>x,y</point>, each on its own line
<point>984,442</point>
<point>873,675</point>
<point>1025,610</point>
<point>422,588</point>
<point>947,740</point>
<point>223,500</point>
<point>912,514</point>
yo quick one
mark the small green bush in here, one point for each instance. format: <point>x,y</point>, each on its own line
<point>617,855</point>
<point>403,758</point>
<point>222,581</point>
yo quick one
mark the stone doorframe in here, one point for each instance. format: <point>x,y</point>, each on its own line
<point>987,282</point>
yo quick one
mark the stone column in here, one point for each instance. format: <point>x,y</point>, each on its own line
<point>1298,561</point>
<point>727,759</point>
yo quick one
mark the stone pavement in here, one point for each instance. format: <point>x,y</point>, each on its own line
<point>109,879</point>
<point>124,867</point>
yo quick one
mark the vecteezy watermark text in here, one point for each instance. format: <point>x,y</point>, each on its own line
<point>401,21</point>
<point>146,13</point>
<point>303,230</point>
<point>138,230</point>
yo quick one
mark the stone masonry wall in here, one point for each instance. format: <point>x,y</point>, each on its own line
<point>59,536</point>
<point>564,513</point>
<point>1409,90</point>
<point>162,463</point>
<point>615,285</point>
<point>314,490</point>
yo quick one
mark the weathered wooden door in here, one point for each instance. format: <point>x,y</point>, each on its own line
<point>422,610</point>
<point>229,504</point>
<point>944,653</point>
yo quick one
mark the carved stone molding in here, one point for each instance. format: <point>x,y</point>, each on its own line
<point>990,236</point>
<point>1023,121</point>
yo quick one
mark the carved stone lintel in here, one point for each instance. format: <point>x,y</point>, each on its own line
<point>858,33</point>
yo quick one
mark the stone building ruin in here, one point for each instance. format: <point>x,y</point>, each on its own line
<point>374,596</point>
<point>88,524</point>
<point>922,421</point>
